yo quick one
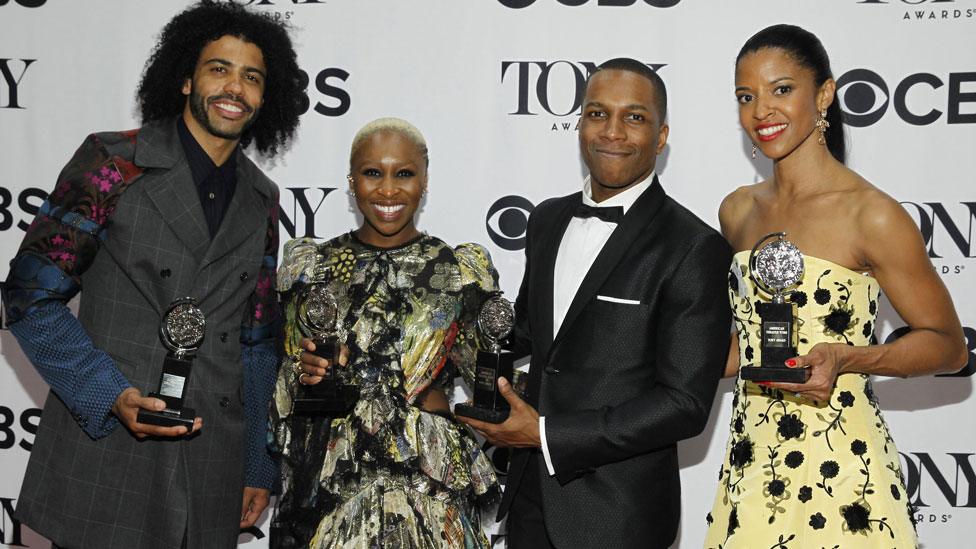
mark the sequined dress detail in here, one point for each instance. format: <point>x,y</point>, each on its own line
<point>801,474</point>
<point>388,474</point>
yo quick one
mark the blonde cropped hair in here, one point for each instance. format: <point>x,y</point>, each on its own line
<point>390,124</point>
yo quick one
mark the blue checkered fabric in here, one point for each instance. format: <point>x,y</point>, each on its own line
<point>260,369</point>
<point>84,377</point>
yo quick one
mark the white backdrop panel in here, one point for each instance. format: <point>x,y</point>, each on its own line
<point>494,87</point>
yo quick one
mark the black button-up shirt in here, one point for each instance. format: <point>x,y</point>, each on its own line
<point>215,184</point>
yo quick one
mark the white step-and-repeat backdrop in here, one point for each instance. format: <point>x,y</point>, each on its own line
<point>495,85</point>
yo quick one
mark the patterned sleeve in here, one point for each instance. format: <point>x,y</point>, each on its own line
<point>262,314</point>
<point>478,278</point>
<point>58,248</point>
<point>259,356</point>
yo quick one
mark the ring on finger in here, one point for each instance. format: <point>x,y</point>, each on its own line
<point>798,395</point>
<point>300,376</point>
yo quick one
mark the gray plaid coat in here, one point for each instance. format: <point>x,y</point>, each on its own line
<point>117,491</point>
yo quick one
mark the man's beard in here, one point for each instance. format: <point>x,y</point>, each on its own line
<point>198,108</point>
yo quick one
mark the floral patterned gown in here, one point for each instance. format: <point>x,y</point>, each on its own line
<point>804,474</point>
<point>388,474</point>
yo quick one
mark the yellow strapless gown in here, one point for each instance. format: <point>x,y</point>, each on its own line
<point>802,474</point>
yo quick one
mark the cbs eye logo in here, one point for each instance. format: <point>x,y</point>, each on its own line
<point>507,221</point>
<point>864,98</point>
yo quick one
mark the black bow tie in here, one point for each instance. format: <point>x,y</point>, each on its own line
<point>610,214</point>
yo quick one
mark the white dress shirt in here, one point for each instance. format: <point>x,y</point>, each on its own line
<point>581,243</point>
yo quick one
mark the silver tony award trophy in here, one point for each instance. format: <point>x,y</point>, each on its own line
<point>776,267</point>
<point>495,321</point>
<point>182,332</point>
<point>316,316</point>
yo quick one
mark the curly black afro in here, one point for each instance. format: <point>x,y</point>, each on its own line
<point>174,59</point>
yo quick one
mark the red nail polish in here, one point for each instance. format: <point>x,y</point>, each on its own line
<point>791,362</point>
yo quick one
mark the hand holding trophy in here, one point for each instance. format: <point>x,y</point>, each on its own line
<point>776,267</point>
<point>316,316</point>
<point>181,331</point>
<point>495,321</point>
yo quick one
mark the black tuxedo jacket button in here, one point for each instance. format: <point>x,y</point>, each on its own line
<point>551,370</point>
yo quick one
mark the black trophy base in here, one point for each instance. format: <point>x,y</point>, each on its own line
<point>778,374</point>
<point>487,415</point>
<point>325,399</point>
<point>168,418</point>
<point>327,349</point>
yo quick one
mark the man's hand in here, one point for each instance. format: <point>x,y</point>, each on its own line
<point>127,407</point>
<point>520,430</point>
<point>255,502</point>
<point>312,368</point>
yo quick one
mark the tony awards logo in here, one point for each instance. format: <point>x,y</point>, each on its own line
<point>495,322</point>
<point>316,316</point>
<point>181,331</point>
<point>776,266</point>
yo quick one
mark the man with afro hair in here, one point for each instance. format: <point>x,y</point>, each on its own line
<point>141,219</point>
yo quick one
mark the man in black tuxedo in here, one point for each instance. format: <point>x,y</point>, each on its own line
<point>623,306</point>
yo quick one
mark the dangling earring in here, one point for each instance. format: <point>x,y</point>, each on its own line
<point>754,149</point>
<point>352,190</point>
<point>822,126</point>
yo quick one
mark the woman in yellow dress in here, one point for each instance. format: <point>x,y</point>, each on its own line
<point>813,464</point>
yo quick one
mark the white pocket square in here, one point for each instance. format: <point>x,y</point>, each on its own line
<point>618,300</point>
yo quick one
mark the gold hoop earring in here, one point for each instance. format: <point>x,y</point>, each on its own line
<point>822,126</point>
<point>754,149</point>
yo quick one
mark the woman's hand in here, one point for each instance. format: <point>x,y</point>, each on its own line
<point>311,369</point>
<point>434,400</point>
<point>825,361</point>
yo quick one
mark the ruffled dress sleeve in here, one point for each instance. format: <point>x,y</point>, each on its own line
<point>479,279</point>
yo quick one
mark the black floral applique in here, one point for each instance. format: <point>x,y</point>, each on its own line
<point>828,470</point>
<point>794,459</point>
<point>733,523</point>
<point>799,297</point>
<point>837,419</point>
<point>790,426</point>
<point>818,521</point>
<point>859,448</point>
<point>822,295</point>
<point>805,494</point>
<point>857,519</point>
<point>741,453</point>
<point>868,329</point>
<point>776,487</point>
<point>840,321</point>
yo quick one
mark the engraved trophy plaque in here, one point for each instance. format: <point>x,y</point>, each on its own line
<point>181,331</point>
<point>495,321</point>
<point>776,266</point>
<point>316,315</point>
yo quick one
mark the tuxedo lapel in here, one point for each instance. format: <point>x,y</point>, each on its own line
<point>173,192</point>
<point>548,247</point>
<point>619,243</point>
